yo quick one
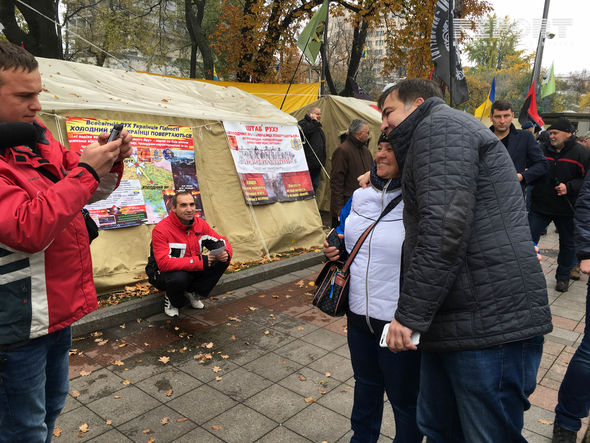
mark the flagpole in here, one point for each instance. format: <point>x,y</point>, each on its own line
<point>452,62</point>
<point>540,45</point>
<point>324,62</point>
<point>292,78</point>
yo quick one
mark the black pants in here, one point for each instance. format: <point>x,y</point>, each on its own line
<point>201,282</point>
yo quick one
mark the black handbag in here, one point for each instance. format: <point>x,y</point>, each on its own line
<point>331,295</point>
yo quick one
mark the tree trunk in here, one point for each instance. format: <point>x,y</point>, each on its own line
<point>194,13</point>
<point>356,52</point>
<point>43,38</point>
<point>327,73</point>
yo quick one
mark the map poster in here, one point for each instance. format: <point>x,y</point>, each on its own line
<point>163,159</point>
<point>270,162</point>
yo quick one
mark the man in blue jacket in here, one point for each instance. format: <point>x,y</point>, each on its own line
<point>524,150</point>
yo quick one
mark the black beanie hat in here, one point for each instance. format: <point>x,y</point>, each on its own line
<point>562,124</point>
<point>383,138</point>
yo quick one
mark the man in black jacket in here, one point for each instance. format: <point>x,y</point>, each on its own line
<point>524,150</point>
<point>472,285</point>
<point>314,144</point>
<point>554,195</point>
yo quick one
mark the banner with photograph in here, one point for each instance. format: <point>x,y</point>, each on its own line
<point>270,162</point>
<point>163,160</point>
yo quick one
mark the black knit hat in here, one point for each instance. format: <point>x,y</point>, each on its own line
<point>383,138</point>
<point>562,124</point>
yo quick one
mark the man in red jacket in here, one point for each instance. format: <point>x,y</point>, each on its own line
<point>46,279</point>
<point>177,243</point>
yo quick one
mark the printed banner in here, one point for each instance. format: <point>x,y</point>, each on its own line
<point>163,160</point>
<point>270,162</point>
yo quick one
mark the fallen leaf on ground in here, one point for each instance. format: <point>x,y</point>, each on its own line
<point>224,356</point>
<point>233,337</point>
<point>262,296</point>
<point>309,400</point>
<point>152,440</point>
<point>147,431</point>
<point>218,378</point>
<point>322,392</point>
<point>122,345</point>
<point>75,393</point>
<point>266,332</point>
<point>109,422</point>
<point>164,359</point>
<point>284,362</point>
<point>302,378</point>
<point>252,308</point>
<point>181,420</point>
<point>216,427</point>
<point>169,393</point>
<point>56,432</point>
<point>300,283</point>
<point>118,363</point>
<point>234,319</point>
<point>545,422</point>
<point>84,427</point>
<point>328,374</point>
<point>96,334</point>
<point>301,328</point>
<point>126,382</point>
<point>85,373</point>
<point>123,326</point>
<point>311,283</point>
<point>165,420</point>
<point>275,296</point>
<point>216,369</point>
<point>117,396</point>
<point>209,345</point>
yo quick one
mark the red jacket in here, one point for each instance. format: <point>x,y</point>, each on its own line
<point>178,247</point>
<point>45,265</point>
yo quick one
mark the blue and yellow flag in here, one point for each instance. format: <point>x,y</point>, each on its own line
<point>215,77</point>
<point>485,109</point>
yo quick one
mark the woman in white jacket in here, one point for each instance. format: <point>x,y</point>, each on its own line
<point>373,293</point>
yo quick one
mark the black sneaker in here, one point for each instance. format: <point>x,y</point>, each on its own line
<point>561,435</point>
<point>562,285</point>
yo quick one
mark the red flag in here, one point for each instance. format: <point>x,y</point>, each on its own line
<point>528,112</point>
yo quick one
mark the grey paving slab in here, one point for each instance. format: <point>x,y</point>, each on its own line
<point>150,425</point>
<point>241,384</point>
<point>241,424</point>
<point>280,434</point>
<point>277,403</point>
<point>198,435</point>
<point>532,423</point>
<point>563,334</point>
<point>567,313</point>
<point>98,384</point>
<point>265,285</point>
<point>532,437</point>
<point>343,351</point>
<point>308,383</point>
<point>111,436</point>
<point>132,402</point>
<point>207,371</point>
<point>138,367</point>
<point>295,327</point>
<point>168,385</point>
<point>339,400</point>
<point>318,424</point>
<point>70,422</point>
<point>271,341</point>
<point>240,354</point>
<point>325,339</point>
<point>287,278</point>
<point>338,367</point>
<point>348,436</point>
<point>202,404</point>
<point>71,404</point>
<point>273,366</point>
<point>301,352</point>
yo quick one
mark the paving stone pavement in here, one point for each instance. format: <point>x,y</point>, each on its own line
<point>263,366</point>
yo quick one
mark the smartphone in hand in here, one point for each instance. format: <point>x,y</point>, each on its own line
<point>333,239</point>
<point>115,132</point>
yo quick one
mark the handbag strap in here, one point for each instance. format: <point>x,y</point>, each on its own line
<point>357,246</point>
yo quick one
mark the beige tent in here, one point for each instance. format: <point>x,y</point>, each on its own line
<point>77,90</point>
<point>337,113</point>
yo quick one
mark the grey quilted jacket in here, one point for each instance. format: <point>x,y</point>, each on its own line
<point>471,278</point>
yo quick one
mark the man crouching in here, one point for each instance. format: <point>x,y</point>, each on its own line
<point>184,271</point>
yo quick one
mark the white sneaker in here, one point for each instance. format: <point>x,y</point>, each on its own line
<point>169,310</point>
<point>194,300</point>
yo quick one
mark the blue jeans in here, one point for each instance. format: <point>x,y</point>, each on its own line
<point>573,401</point>
<point>566,260</point>
<point>478,395</point>
<point>33,387</point>
<point>378,370</point>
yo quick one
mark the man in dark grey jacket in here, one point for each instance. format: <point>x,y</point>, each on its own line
<point>472,285</point>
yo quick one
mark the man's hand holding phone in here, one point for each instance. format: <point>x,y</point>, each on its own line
<point>101,155</point>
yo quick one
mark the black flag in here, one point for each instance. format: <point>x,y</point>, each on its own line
<point>441,40</point>
<point>529,112</point>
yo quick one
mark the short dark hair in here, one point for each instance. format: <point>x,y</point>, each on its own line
<point>501,105</point>
<point>177,193</point>
<point>15,57</point>
<point>410,89</point>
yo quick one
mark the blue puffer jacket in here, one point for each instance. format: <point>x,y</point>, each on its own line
<point>471,277</point>
<point>582,221</point>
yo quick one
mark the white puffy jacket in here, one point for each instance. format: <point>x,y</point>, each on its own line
<point>375,271</point>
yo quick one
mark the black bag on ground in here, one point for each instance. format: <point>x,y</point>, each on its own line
<point>153,273</point>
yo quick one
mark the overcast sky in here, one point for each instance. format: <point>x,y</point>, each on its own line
<point>569,20</point>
